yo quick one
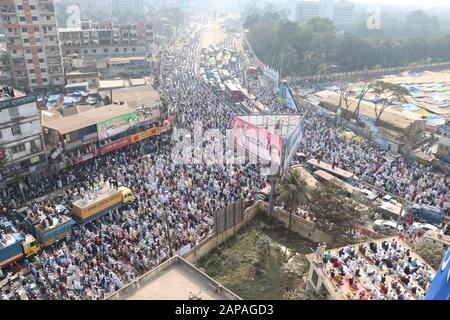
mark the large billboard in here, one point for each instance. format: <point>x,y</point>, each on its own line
<point>293,142</point>
<point>257,141</point>
<point>271,78</point>
<point>286,98</point>
<point>114,126</point>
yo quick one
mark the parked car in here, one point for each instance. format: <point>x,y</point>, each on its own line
<point>426,214</point>
<point>386,226</point>
<point>426,227</point>
<point>369,195</point>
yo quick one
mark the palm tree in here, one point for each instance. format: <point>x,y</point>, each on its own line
<point>292,190</point>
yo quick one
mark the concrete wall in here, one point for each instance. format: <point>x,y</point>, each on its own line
<point>303,228</point>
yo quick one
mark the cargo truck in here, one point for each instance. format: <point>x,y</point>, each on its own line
<point>14,247</point>
<point>100,203</point>
<point>47,235</point>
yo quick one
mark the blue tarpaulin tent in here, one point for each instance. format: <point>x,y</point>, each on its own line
<point>440,287</point>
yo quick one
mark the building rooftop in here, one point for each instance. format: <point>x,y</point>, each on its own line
<point>84,117</point>
<point>175,279</point>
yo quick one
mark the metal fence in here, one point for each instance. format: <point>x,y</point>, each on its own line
<point>228,217</point>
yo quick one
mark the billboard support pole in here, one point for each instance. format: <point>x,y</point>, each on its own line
<point>274,181</point>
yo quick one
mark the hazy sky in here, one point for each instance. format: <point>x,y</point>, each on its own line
<point>421,3</point>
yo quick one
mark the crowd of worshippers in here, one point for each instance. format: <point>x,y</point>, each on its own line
<point>385,271</point>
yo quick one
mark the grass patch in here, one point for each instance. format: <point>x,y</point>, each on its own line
<point>250,264</point>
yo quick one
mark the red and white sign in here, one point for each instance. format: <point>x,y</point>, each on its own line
<point>86,157</point>
<point>115,145</point>
<point>257,141</point>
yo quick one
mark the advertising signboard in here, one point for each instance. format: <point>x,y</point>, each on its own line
<point>115,145</point>
<point>293,142</point>
<point>257,141</point>
<point>112,127</point>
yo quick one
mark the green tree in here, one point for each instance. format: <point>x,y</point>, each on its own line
<point>334,213</point>
<point>5,62</point>
<point>385,95</point>
<point>431,251</point>
<point>292,191</point>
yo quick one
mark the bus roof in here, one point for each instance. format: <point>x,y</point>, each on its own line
<point>306,176</point>
<point>338,182</point>
<point>326,167</point>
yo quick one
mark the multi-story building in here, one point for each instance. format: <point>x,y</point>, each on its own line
<point>22,154</point>
<point>339,12</point>
<point>32,41</point>
<point>443,150</point>
<point>110,40</point>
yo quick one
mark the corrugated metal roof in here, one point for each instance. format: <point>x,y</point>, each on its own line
<point>85,119</point>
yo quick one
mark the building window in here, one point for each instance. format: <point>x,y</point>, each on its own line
<point>125,49</point>
<point>51,38</point>
<point>41,60</point>
<point>18,148</point>
<point>33,80</point>
<point>32,7</point>
<point>85,51</point>
<point>134,49</point>
<point>29,60</point>
<point>117,50</point>
<point>15,130</point>
<point>43,70</point>
<point>49,18</point>
<point>24,164</point>
<point>22,19</point>
<point>10,30</point>
<point>38,40</point>
<point>20,7</point>
<point>105,50</point>
<point>44,80</point>
<point>14,51</point>
<point>1,136</point>
<point>26,40</point>
<point>34,18</point>
<point>24,30</point>
<point>28,50</point>
<point>31,70</point>
<point>94,51</point>
<point>40,50</point>
<point>36,29</point>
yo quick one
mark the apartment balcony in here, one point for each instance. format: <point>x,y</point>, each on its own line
<point>8,11</point>
<point>54,61</point>
<point>49,8</point>
<point>53,53</point>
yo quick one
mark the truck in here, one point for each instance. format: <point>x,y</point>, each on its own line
<point>100,203</point>
<point>427,214</point>
<point>15,246</point>
<point>47,235</point>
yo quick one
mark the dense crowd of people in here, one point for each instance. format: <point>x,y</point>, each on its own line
<point>7,91</point>
<point>324,141</point>
<point>175,202</point>
<point>384,271</point>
